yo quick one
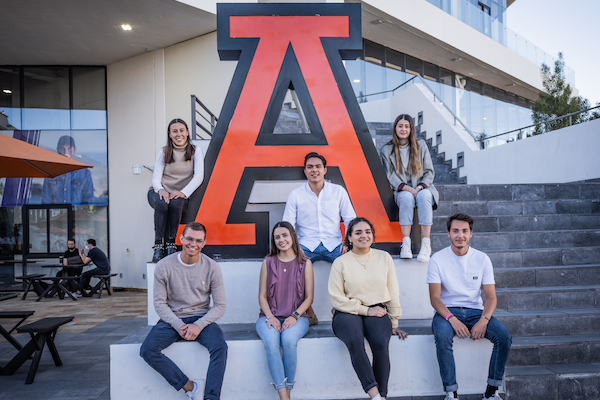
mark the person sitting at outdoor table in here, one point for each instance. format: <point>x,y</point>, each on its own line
<point>71,257</point>
<point>99,259</point>
<point>365,295</point>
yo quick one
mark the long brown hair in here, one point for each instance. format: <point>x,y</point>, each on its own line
<point>190,149</point>
<point>295,246</point>
<point>415,167</point>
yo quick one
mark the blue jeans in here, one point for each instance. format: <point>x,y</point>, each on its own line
<point>321,253</point>
<point>444,334</point>
<point>283,371</point>
<point>163,335</point>
<point>406,206</point>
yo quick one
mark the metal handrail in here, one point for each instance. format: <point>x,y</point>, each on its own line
<point>212,122</point>
<point>434,97</point>
<point>540,123</point>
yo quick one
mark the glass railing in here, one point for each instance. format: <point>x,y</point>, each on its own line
<point>48,118</point>
<point>483,116</point>
<point>495,28</point>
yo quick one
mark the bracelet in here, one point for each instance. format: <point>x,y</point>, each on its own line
<point>268,318</point>
<point>485,317</point>
<point>448,316</point>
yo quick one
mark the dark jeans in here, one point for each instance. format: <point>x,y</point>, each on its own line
<point>163,335</point>
<point>444,334</point>
<point>166,216</point>
<point>85,277</point>
<point>352,330</point>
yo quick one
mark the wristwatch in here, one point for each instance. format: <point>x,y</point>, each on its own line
<point>296,315</point>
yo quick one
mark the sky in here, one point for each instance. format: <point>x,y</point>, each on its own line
<point>569,26</point>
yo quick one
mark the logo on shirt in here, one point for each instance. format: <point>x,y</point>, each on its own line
<point>282,46</point>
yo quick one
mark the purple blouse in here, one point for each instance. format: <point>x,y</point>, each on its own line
<point>285,286</point>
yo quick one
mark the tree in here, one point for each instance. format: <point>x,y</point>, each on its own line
<point>556,100</point>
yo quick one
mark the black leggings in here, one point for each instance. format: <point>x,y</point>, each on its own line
<point>352,330</point>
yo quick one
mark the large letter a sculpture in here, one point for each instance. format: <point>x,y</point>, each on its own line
<point>280,46</point>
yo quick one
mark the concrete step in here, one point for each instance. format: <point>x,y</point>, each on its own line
<point>555,239</point>
<point>548,298</point>
<point>540,257</point>
<point>533,192</point>
<point>517,223</point>
<point>324,367</point>
<point>551,322</point>
<point>578,381</point>
<point>534,350</point>
<point>518,207</point>
<point>566,275</point>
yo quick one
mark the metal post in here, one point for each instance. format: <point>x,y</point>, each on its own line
<point>194,117</point>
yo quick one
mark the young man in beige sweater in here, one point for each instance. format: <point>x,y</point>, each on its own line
<point>183,285</point>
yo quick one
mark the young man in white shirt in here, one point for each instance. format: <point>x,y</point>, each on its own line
<point>315,209</point>
<point>456,276</point>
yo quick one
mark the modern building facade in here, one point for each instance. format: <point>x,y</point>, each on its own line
<point>111,74</point>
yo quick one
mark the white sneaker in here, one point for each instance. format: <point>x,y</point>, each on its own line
<point>198,392</point>
<point>406,252</point>
<point>450,396</point>
<point>425,252</point>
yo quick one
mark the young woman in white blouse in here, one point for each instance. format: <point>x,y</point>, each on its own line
<point>409,170</point>
<point>178,172</point>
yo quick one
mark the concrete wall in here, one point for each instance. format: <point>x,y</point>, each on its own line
<point>132,140</point>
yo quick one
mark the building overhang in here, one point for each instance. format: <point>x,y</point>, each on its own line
<point>75,32</point>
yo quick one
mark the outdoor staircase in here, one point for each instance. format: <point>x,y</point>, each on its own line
<point>544,243</point>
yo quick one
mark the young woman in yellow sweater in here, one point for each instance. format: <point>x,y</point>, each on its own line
<point>364,293</point>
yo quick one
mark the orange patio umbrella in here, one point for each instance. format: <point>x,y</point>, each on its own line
<point>19,159</point>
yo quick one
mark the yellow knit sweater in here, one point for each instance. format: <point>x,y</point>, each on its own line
<point>354,286</point>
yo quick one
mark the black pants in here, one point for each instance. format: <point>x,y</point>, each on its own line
<point>352,330</point>
<point>166,216</point>
<point>87,275</point>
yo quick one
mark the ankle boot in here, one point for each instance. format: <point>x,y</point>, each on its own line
<point>171,247</point>
<point>159,250</point>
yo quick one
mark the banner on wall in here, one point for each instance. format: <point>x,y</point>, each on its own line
<point>281,46</point>
<point>82,187</point>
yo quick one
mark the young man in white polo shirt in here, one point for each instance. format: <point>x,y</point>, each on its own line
<point>455,276</point>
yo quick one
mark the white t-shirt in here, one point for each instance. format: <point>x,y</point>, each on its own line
<point>461,276</point>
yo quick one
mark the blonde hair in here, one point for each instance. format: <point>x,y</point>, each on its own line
<point>415,167</point>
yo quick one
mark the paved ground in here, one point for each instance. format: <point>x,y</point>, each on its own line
<point>82,344</point>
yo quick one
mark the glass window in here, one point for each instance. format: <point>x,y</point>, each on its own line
<point>430,71</point>
<point>488,91</point>
<point>414,65</point>
<point>46,98</point>
<point>10,98</point>
<point>89,98</point>
<point>394,62</point>
<point>374,70</point>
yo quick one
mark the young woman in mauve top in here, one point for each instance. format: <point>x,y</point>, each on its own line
<point>285,293</point>
<point>410,172</point>
<point>178,172</point>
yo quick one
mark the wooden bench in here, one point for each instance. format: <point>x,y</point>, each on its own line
<point>103,284</point>
<point>32,281</point>
<point>58,287</point>
<point>21,316</point>
<point>42,332</point>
